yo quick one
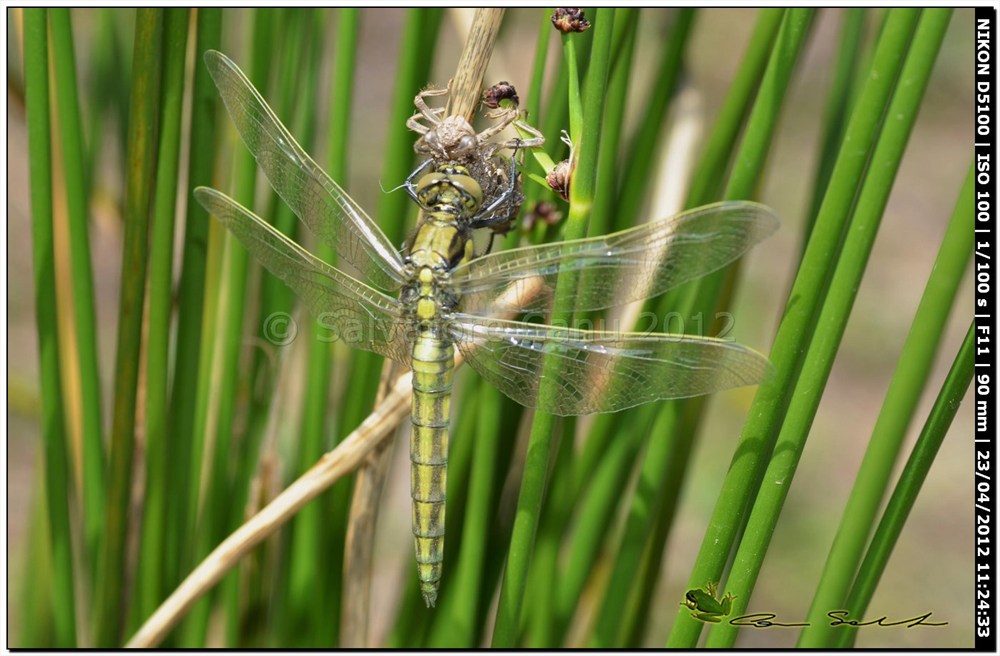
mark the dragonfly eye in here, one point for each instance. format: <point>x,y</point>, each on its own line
<point>449,185</point>
<point>473,193</point>
<point>429,188</point>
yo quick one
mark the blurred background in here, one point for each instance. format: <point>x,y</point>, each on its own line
<point>931,568</point>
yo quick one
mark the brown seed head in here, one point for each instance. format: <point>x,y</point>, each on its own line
<point>500,91</point>
<point>570,19</point>
<point>559,178</point>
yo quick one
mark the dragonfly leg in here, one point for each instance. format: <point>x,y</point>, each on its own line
<point>411,188</point>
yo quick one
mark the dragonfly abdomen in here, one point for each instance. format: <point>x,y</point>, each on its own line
<point>433,363</point>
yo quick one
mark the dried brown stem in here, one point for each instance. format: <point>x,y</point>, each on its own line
<point>468,81</point>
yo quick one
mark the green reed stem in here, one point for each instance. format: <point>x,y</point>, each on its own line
<point>544,579</point>
<point>312,546</point>
<point>84,320</point>
<point>656,495</point>
<point>57,474</point>
<point>643,149</point>
<point>908,382</point>
<point>833,317</point>
<point>603,429</point>
<point>605,196</point>
<point>143,120</point>
<point>706,181</point>
<point>911,479</point>
<point>536,465</point>
<point>186,442</point>
<point>218,506</point>
<point>151,583</point>
<point>838,105</point>
<point>796,328</point>
<point>295,70</point>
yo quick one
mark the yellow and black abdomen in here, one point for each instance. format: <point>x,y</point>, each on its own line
<point>437,243</point>
<point>433,363</point>
<point>440,243</point>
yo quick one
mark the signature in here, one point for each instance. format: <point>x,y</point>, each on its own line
<point>837,618</point>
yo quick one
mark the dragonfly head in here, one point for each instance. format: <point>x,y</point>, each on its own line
<point>450,188</point>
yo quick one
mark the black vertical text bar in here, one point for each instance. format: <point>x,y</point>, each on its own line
<point>985,320</point>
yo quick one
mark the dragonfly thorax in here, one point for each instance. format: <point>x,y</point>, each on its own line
<point>440,244</point>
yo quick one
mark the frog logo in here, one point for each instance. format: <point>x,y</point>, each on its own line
<point>705,607</point>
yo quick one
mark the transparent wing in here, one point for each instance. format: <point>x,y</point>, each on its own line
<point>321,204</point>
<point>354,312</point>
<point>618,268</point>
<point>601,372</point>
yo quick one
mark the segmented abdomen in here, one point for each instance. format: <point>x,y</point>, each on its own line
<point>433,363</point>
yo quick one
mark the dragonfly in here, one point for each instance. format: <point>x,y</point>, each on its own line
<point>453,139</point>
<point>419,305</point>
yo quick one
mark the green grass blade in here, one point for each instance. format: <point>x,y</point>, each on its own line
<point>192,633</point>
<point>642,151</point>
<point>337,503</point>
<point>536,466</point>
<point>310,547</point>
<point>85,321</point>
<point>908,382</point>
<point>706,181</point>
<point>294,100</point>
<point>151,585</point>
<point>57,474</point>
<point>763,120</point>
<point>533,102</point>
<point>544,577</point>
<point>186,441</point>
<point>218,507</point>
<point>794,332</point>
<point>36,627</point>
<point>617,616</point>
<point>834,314</point>
<point>143,118</point>
<point>644,507</point>
<point>601,497</point>
<point>910,480</point>
<point>838,104</point>
<point>638,560</point>
<point>549,622</point>
<point>605,213</point>
<point>640,613</point>
<point>294,70</point>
